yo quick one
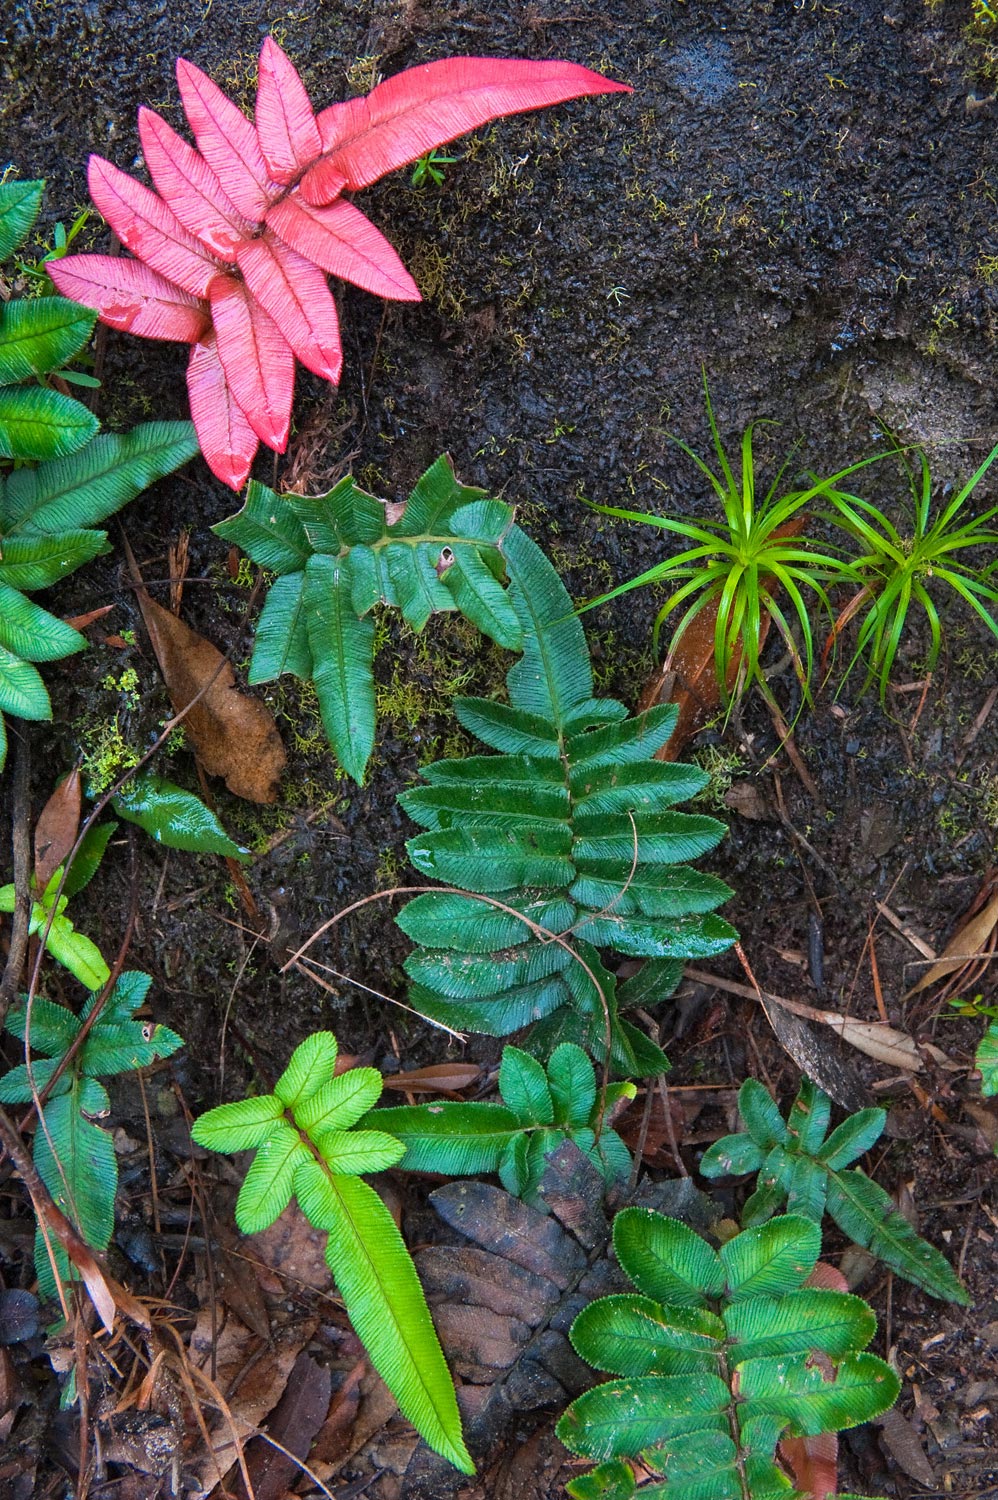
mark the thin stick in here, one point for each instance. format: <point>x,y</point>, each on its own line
<point>20,818</point>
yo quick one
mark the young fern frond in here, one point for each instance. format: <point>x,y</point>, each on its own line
<point>571,828</point>
<point>542,1107</point>
<point>338,555</point>
<point>307,1147</point>
<point>801,1165</point>
<point>721,1353</point>
<point>74,1155</point>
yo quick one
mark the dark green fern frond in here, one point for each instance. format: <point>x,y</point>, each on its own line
<point>571,833</point>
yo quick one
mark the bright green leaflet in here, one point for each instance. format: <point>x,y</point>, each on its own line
<point>570,828</point>
<point>74,1155</point>
<point>312,1144</point>
<point>711,1382</point>
<point>47,516</point>
<point>338,555</point>
<point>799,1164</point>
<point>68,947</point>
<point>19,205</point>
<point>173,817</point>
<point>986,1060</point>
<point>37,336</point>
<point>541,1108</point>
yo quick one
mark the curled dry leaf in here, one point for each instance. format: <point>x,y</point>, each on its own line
<point>56,829</point>
<point>969,949</point>
<point>233,734</point>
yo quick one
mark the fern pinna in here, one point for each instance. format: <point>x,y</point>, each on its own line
<point>721,1354</point>
<point>570,839</point>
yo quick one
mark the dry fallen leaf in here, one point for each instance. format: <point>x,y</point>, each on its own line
<point>233,734</point>
<point>968,949</point>
<point>56,829</point>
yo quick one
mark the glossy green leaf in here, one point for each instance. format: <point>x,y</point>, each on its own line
<point>524,1087</point>
<point>240,1126</point>
<point>633,1335</point>
<point>809,1117</point>
<point>867,1215</point>
<point>340,1102</point>
<point>22,691</point>
<point>281,643</point>
<point>37,423</point>
<point>31,633</point>
<point>75,1160</point>
<point>69,493</point>
<point>311,1066</point>
<point>796,1391</point>
<point>173,817</point>
<point>852,1138</point>
<point>460,1140</point>
<point>623,1417</point>
<point>772,1259</point>
<point>267,1187</point>
<point>40,334</point>
<point>349,1153</point>
<point>986,1060</point>
<point>19,205</point>
<point>53,1027</point>
<point>376,1278</point>
<point>268,530</point>
<point>761,1115</point>
<point>36,562</point>
<point>809,1318</point>
<point>572,1081</point>
<point>667,1260</point>
<point>86,861</point>
<point>341,647</point>
<point>72,949</point>
<point>731,1156</point>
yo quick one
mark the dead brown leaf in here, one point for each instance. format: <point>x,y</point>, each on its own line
<point>970,947</point>
<point>293,1424</point>
<point>56,829</point>
<point>233,734</point>
<point>438,1078</point>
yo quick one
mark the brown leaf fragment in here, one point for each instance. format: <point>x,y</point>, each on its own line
<point>233,734</point>
<point>80,622</point>
<point>574,1191</point>
<point>814,1462</point>
<point>438,1078</point>
<point>972,941</point>
<point>293,1423</point>
<point>56,829</point>
<point>905,1447</point>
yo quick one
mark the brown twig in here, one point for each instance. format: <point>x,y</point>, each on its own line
<point>20,822</point>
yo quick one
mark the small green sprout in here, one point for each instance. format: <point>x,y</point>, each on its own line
<point>431,166</point>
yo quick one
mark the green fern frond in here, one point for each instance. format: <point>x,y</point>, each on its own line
<point>710,1382</point>
<point>338,555</point>
<point>306,1148</point>
<point>541,1108</point>
<point>570,830</point>
<point>801,1165</point>
<point>74,1155</point>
